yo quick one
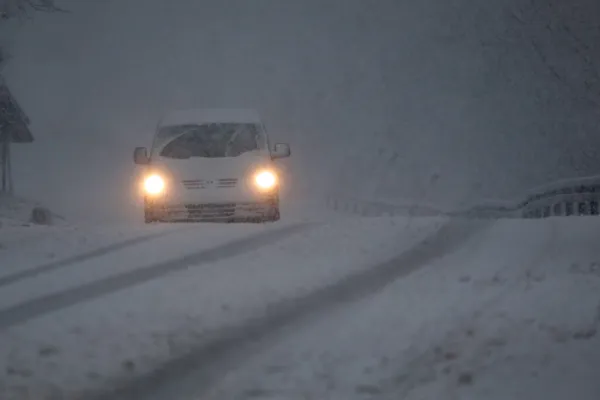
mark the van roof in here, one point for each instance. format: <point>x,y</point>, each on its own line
<point>210,115</point>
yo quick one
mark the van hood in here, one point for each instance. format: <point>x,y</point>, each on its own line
<point>212,168</point>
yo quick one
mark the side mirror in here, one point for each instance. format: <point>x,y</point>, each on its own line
<point>140,156</point>
<point>281,150</point>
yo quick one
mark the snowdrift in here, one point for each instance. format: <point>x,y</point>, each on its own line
<point>22,220</point>
<point>15,211</point>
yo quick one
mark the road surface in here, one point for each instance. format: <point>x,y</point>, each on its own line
<point>351,309</point>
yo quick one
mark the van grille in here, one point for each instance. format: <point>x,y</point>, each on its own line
<point>208,183</point>
<point>210,210</point>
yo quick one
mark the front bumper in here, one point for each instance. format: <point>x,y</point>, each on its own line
<point>217,212</point>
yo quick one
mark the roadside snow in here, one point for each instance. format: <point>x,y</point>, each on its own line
<point>512,315</point>
<point>27,246</point>
<point>157,249</point>
<point>16,211</point>
<point>15,222</point>
<point>124,334</point>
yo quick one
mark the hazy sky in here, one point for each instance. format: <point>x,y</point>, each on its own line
<point>376,97</point>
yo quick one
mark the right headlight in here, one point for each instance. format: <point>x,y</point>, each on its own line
<point>265,180</point>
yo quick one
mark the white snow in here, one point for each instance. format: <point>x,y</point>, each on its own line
<point>122,334</point>
<point>512,315</point>
<point>16,227</point>
<point>381,100</point>
<point>382,206</point>
<point>16,211</point>
<point>177,243</point>
<point>23,247</point>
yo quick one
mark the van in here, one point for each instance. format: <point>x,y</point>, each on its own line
<point>211,165</point>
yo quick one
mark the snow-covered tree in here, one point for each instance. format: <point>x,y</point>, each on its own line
<point>24,8</point>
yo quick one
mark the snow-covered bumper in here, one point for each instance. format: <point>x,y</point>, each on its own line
<point>213,212</point>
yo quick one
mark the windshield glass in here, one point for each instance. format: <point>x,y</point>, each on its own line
<point>210,140</point>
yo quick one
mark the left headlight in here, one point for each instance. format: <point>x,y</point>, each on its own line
<point>265,180</point>
<point>154,184</point>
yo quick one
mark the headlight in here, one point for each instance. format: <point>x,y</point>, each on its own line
<point>265,180</point>
<point>154,185</point>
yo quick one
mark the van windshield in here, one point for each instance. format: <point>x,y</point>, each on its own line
<point>209,140</point>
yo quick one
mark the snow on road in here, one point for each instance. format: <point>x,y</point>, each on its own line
<point>89,324</point>
<point>28,247</point>
<point>25,246</point>
<point>157,249</point>
<point>513,314</point>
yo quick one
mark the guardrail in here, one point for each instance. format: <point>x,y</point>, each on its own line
<point>571,197</point>
<point>564,198</point>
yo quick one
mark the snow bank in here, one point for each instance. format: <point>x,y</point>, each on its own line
<point>15,211</point>
<point>511,315</point>
<point>25,246</point>
<point>126,333</point>
<point>16,224</point>
<point>379,207</point>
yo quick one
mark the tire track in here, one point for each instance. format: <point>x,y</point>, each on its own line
<point>99,252</point>
<point>66,298</point>
<point>424,365</point>
<point>196,371</point>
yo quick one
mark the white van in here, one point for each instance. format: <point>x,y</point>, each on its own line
<point>211,165</point>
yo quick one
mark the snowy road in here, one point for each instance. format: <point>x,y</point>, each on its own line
<point>513,314</point>
<point>112,273</point>
<point>116,309</point>
<point>228,347</point>
<point>355,308</point>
